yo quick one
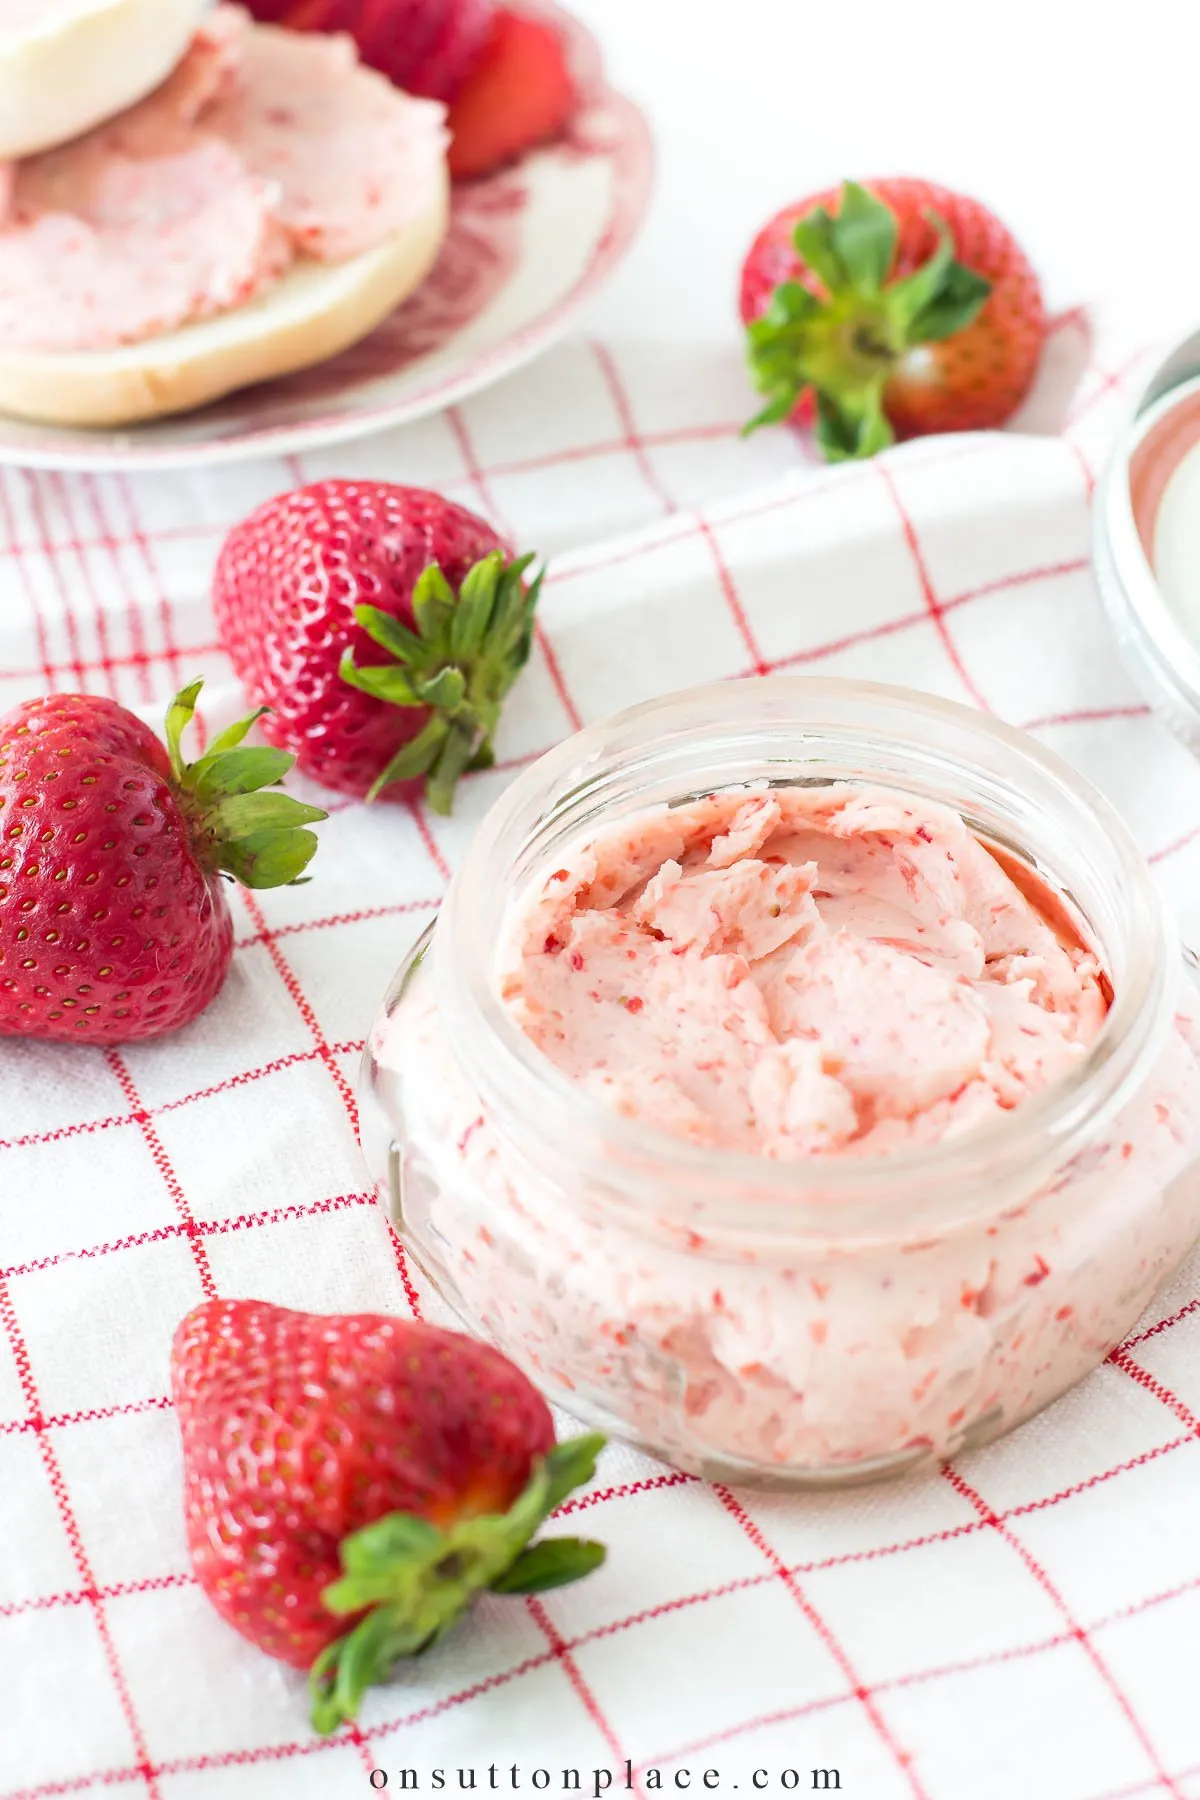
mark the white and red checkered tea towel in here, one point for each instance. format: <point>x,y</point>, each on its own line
<point>1024,1624</point>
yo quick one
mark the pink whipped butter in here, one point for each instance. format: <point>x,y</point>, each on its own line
<point>800,973</point>
<point>262,147</point>
<point>825,976</point>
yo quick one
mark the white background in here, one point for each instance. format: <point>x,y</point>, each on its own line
<point>1075,120</point>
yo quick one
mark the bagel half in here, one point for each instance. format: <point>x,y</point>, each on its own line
<point>73,63</point>
<point>315,311</point>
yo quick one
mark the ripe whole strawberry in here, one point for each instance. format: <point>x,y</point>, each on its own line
<point>350,1483</point>
<point>382,627</point>
<point>113,919</point>
<point>520,94</point>
<point>894,309</point>
<point>427,47</point>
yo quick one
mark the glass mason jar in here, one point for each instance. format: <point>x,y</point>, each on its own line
<point>826,1320</point>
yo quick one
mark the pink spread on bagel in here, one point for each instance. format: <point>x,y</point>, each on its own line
<point>262,147</point>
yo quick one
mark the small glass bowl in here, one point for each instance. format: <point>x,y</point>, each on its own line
<point>791,1323</point>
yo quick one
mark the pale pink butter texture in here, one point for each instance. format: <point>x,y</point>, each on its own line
<point>905,990</point>
<point>263,146</point>
<point>814,971</point>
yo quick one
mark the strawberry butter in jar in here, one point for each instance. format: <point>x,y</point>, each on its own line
<point>800,1081</point>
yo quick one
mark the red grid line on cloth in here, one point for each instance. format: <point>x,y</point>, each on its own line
<point>561,1653</point>
<point>932,604</point>
<point>1140,1337</point>
<point>267,937</point>
<point>1085,469</point>
<point>1052,1592</point>
<point>62,1501</point>
<point>820,1625</point>
<point>429,841</point>
<point>362,913</point>
<point>62,492</point>
<point>205,1228</point>
<point>645,467</point>
<point>502,1678</point>
<point>140,658</point>
<point>162,1163</point>
<point>143,545</point>
<point>632,441</point>
<point>570,1668</point>
<point>89,1415</point>
<point>700,1597</point>
<point>151,1584</point>
<point>479,481</point>
<point>37,512</point>
<point>1180,843</point>
<point>1107,383</point>
<point>908,621</point>
<point>1180,1440</point>
<point>142,663</point>
<point>1152,1385</point>
<point>741,619</point>
<point>82,1127</point>
<point>1086,715</point>
<point>41,637</point>
<point>327,1056</point>
<point>812,488</point>
<point>105,538</point>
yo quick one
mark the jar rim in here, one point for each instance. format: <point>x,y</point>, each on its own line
<point>515,1079</point>
<point>1160,654</point>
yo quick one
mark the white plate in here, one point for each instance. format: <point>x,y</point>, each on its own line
<point>525,249</point>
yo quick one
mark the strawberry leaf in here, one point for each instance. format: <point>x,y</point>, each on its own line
<point>444,691</point>
<point>238,771</point>
<point>846,346</point>
<point>433,605</point>
<point>180,714</point>
<point>460,664</point>
<point>814,239</point>
<point>256,837</point>
<point>235,733</point>
<point>864,237</point>
<point>476,603</point>
<point>549,1564</point>
<point>383,681</point>
<point>245,815</point>
<point>267,859</point>
<point>958,302</point>
<point>416,758</point>
<point>391,635</point>
<point>417,1581</point>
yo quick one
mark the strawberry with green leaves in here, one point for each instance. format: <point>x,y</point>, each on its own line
<point>889,310</point>
<point>382,626</point>
<point>351,1483</point>
<point>114,851</point>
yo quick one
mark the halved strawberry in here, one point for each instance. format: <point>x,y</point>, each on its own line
<point>519,94</point>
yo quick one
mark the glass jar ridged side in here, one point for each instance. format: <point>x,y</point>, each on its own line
<point>829,1320</point>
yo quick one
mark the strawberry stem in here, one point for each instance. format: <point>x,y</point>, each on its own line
<point>411,1582</point>
<point>846,341</point>
<point>259,838</point>
<point>458,665</point>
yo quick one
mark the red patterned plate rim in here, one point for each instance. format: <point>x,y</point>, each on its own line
<point>629,149</point>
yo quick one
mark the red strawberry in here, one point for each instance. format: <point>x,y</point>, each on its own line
<point>520,94</point>
<point>425,46</point>
<point>911,309</point>
<point>351,1483</point>
<point>382,626</point>
<point>113,919</point>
